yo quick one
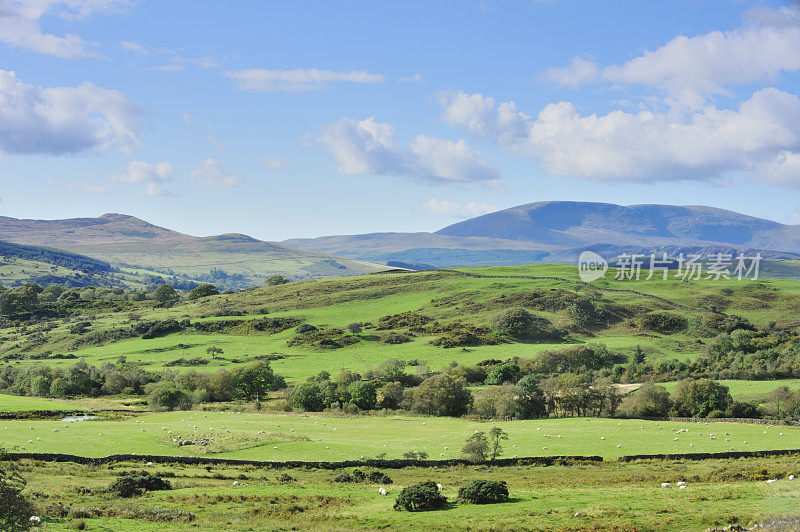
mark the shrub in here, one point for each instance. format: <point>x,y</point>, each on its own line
<point>483,492</point>
<point>504,373</point>
<point>663,322</point>
<point>395,338</point>
<point>136,483</point>
<point>304,328</point>
<point>275,280</point>
<point>379,477</point>
<point>286,477</point>
<point>420,497</point>
<point>204,290</point>
<point>522,325</point>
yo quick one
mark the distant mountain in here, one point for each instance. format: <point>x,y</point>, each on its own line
<point>230,260</point>
<point>557,231</point>
<point>574,224</point>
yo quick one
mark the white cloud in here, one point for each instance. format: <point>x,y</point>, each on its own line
<point>579,72</point>
<point>263,80</point>
<point>217,143</point>
<point>83,186</point>
<point>369,147</point>
<point>456,210</point>
<point>140,172</point>
<point>766,45</point>
<point>148,174</point>
<point>20,25</point>
<point>212,174</point>
<point>416,78</point>
<point>64,119</point>
<point>704,144</point>
<point>274,162</point>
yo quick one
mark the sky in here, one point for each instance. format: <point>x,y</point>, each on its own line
<point>284,119</point>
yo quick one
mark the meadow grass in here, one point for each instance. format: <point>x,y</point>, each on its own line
<point>321,437</point>
<point>16,403</point>
<point>580,496</point>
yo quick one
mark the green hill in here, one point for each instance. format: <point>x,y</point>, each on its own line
<point>444,317</point>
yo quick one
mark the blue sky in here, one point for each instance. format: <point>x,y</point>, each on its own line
<point>292,119</point>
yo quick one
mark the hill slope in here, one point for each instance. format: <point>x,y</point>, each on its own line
<point>230,260</point>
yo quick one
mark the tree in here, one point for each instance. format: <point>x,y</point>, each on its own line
<point>476,448</point>
<point>204,290</point>
<point>496,402</point>
<point>698,398</point>
<point>504,373</point>
<point>391,395</point>
<point>496,435</point>
<point>165,295</point>
<point>483,492</point>
<point>354,328</point>
<point>442,395</point>
<point>422,496</point>
<point>256,380</point>
<point>638,355</point>
<point>363,395</point>
<point>308,396</point>
<point>647,401</point>
<point>275,280</point>
<point>165,396</point>
<point>15,509</point>
<point>531,402</point>
<point>214,351</point>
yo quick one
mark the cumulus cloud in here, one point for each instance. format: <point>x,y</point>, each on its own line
<point>369,147</point>
<point>767,44</point>
<point>704,144</point>
<point>456,210</point>
<point>264,80</point>
<point>20,26</point>
<point>141,172</point>
<point>64,119</point>
<point>148,174</point>
<point>83,186</point>
<point>212,174</point>
<point>579,72</point>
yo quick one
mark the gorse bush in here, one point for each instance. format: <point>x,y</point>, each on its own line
<point>420,497</point>
<point>483,492</point>
<point>138,482</point>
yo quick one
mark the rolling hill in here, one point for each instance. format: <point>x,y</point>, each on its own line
<point>230,260</point>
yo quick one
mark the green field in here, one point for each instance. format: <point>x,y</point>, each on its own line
<point>442,296</point>
<point>582,496</point>
<point>747,389</point>
<point>319,437</point>
<point>15,403</point>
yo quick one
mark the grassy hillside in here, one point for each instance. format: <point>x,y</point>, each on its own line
<point>445,299</point>
<point>232,261</point>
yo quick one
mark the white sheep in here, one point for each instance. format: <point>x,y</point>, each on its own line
<point>791,477</point>
<point>772,480</point>
<point>439,487</point>
<point>382,491</point>
<point>680,483</point>
<point>235,482</point>
<point>666,485</point>
<point>35,520</point>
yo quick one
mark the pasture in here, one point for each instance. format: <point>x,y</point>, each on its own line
<point>16,403</point>
<point>580,496</point>
<point>282,437</point>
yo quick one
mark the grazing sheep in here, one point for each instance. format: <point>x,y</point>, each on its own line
<point>235,482</point>
<point>681,483</point>
<point>382,491</point>
<point>772,480</point>
<point>791,477</point>
<point>439,487</point>
<point>666,485</point>
<point>35,520</point>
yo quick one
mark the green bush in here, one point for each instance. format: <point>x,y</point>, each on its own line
<point>420,497</point>
<point>483,492</point>
<point>138,482</point>
<point>204,290</point>
<point>15,509</point>
<point>663,322</point>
